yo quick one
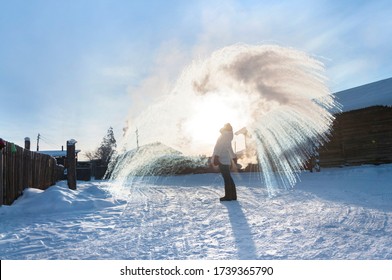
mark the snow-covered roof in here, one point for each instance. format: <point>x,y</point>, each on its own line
<point>58,153</point>
<point>376,93</point>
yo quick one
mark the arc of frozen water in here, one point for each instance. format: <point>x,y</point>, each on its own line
<point>280,95</point>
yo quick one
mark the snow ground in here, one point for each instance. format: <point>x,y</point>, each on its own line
<point>339,213</point>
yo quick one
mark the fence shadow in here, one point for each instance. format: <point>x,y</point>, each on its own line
<point>246,248</point>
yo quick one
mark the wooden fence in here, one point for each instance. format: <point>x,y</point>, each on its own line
<point>21,168</point>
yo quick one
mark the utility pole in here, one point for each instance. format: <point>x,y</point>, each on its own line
<point>38,137</point>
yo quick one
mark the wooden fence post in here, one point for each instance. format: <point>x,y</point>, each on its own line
<point>27,143</point>
<point>71,164</point>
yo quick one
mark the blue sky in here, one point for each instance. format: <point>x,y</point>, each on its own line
<point>73,68</point>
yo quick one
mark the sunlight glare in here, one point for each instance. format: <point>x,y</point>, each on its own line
<point>209,116</point>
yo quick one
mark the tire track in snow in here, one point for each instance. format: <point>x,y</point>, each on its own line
<point>160,221</point>
<point>178,223</point>
<point>356,219</point>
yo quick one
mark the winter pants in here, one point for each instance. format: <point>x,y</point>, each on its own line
<point>230,190</point>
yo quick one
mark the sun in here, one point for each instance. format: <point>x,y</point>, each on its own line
<point>208,117</point>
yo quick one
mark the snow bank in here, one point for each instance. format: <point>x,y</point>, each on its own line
<point>59,198</point>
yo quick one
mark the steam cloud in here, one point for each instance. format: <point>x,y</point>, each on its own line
<point>279,94</point>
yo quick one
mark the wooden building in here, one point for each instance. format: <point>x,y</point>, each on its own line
<point>362,133</point>
<point>59,155</point>
<point>362,136</point>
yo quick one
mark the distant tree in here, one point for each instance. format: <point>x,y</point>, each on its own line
<point>90,155</point>
<point>106,150</point>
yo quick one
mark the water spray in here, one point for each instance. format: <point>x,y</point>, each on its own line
<point>278,94</point>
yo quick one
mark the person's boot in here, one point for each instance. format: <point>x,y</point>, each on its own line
<point>232,193</point>
<point>227,193</point>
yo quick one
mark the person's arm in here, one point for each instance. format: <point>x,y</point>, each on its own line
<point>217,152</point>
<point>231,152</point>
<point>215,160</point>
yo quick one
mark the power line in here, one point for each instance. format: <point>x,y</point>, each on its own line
<point>49,142</point>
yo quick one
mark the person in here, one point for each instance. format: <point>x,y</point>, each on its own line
<point>222,156</point>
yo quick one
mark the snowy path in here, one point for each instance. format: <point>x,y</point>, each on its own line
<point>325,217</point>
